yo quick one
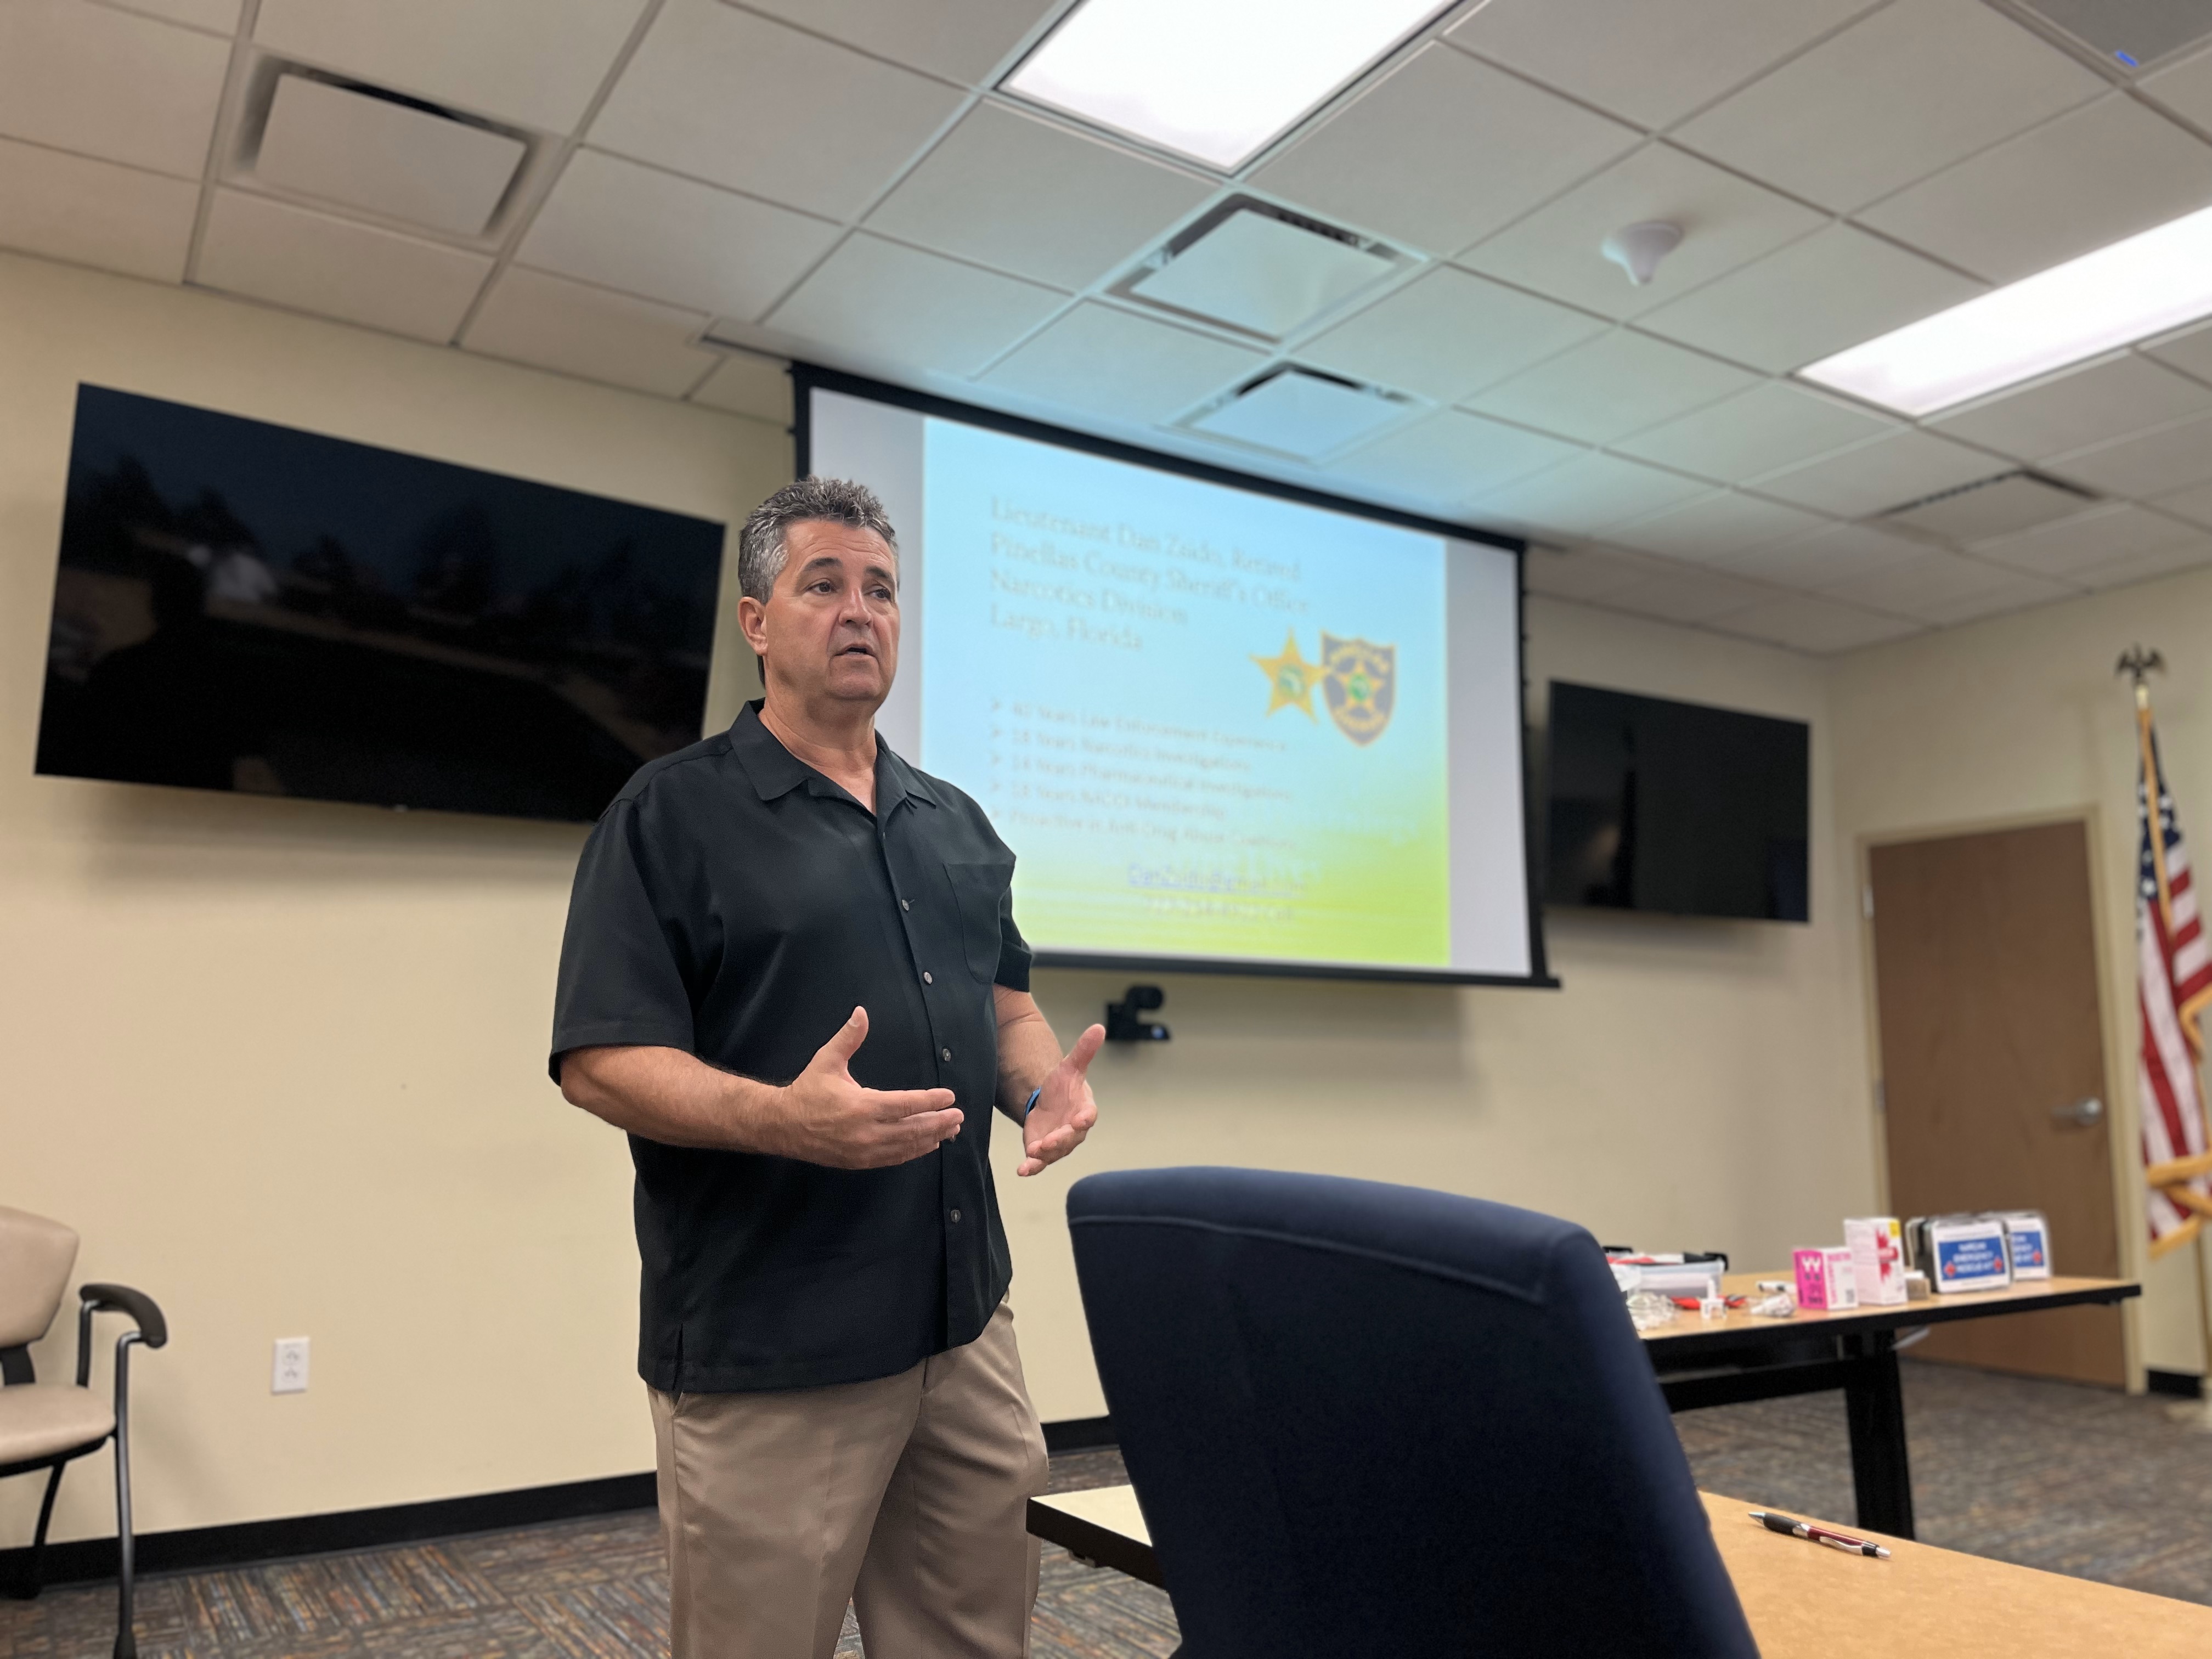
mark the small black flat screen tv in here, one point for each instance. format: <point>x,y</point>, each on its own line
<point>249,607</point>
<point>1675,807</point>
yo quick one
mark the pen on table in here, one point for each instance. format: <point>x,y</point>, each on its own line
<point>1819,1534</point>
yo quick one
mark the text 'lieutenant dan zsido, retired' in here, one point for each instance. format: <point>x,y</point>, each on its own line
<point>791,974</point>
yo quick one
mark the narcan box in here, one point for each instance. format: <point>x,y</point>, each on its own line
<point>1826,1279</point>
<point>1877,1248</point>
<point>1966,1255</point>
<point>2027,1243</point>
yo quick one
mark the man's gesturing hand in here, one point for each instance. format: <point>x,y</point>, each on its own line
<point>1065,1111</point>
<point>823,1116</point>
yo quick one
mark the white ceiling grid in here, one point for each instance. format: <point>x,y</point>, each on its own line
<point>839,180</point>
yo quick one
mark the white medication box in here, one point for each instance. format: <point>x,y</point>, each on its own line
<point>2027,1244</point>
<point>1877,1248</point>
<point>1966,1255</point>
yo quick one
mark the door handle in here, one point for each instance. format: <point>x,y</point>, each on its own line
<point>2084,1114</point>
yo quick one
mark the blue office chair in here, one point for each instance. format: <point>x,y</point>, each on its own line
<point>1372,1420</point>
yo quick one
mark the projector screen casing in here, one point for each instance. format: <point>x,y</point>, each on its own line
<point>809,378</point>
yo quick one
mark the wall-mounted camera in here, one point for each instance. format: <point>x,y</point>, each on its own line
<point>1125,1021</point>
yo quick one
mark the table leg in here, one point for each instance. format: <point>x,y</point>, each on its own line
<point>1874,1401</point>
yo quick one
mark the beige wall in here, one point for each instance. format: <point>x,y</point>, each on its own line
<point>283,1062</point>
<point>2023,717</point>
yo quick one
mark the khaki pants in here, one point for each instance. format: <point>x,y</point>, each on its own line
<point>908,1495</point>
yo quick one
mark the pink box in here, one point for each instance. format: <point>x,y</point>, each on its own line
<point>1826,1279</point>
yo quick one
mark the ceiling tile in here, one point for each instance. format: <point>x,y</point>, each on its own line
<point>1876,476</point>
<point>1910,90</point>
<point>1447,334</point>
<point>1449,459</point>
<point>2145,567</point>
<point>157,87</point>
<point>2155,463</point>
<point>736,100</point>
<point>216,16</point>
<point>1648,63</point>
<point>2107,400</point>
<point>553,323</point>
<point>615,223</point>
<point>536,62</point>
<point>2184,87</point>
<point>1823,559</point>
<point>1947,587</point>
<point>963,39</point>
<point>896,305</point>
<point>288,256</point>
<point>2070,549</point>
<point>1585,575</point>
<point>1026,197</point>
<point>1585,496</point>
<point>1771,426</point>
<point>1727,221</point>
<point>1442,150</point>
<point>1805,621</point>
<point>1713,526</point>
<point>2091,177</point>
<point>1614,384</point>
<point>1125,368</point>
<point>749,384</point>
<point>95,213</point>
<point>2194,504</point>
<point>2188,349</point>
<point>1685,593</point>
<point>1834,288</point>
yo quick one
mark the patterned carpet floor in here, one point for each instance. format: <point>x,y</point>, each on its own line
<point>2073,1480</point>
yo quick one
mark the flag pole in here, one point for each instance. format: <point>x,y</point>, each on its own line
<point>2139,664</point>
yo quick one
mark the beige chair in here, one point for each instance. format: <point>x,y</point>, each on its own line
<point>46,1425</point>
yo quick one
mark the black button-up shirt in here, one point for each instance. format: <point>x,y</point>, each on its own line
<point>735,903</point>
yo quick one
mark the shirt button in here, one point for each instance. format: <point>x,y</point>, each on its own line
<point>906,904</point>
<point>926,978</point>
<point>944,1054</point>
<point>956,1215</point>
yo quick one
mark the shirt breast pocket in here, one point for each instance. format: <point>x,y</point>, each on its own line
<point>979,891</point>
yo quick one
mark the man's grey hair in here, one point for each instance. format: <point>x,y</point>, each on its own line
<point>832,501</point>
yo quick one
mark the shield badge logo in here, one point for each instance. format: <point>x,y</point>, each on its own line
<point>1359,680</point>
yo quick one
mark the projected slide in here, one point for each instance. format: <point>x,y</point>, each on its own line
<point>1212,723</point>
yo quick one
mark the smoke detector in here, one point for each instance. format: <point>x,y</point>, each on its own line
<point>1639,248</point>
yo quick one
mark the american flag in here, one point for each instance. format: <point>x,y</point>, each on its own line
<point>2173,983</point>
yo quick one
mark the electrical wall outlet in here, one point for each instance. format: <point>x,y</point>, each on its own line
<point>289,1373</point>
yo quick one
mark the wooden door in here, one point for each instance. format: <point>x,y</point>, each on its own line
<point>1992,1049</point>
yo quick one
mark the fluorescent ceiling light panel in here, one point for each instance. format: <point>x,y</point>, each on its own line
<point>2130,291</point>
<point>1214,80</point>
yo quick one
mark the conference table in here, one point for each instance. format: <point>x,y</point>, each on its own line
<point>1806,1603</point>
<point>1726,1361</point>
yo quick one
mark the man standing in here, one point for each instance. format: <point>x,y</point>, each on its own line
<point>791,974</point>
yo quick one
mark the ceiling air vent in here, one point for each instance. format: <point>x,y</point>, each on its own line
<point>1989,507</point>
<point>380,153</point>
<point>2136,34</point>
<point>1258,269</point>
<point>1299,413</point>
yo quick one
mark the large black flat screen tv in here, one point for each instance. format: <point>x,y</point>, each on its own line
<point>248,607</point>
<point>1675,807</point>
